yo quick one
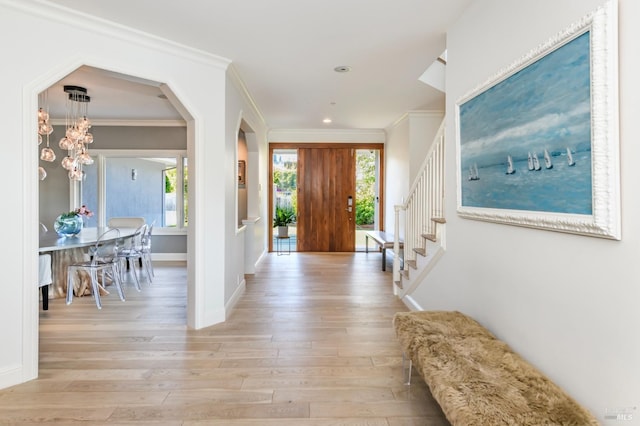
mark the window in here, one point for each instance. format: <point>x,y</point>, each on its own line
<point>149,184</point>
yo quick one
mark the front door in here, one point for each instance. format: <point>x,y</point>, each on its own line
<point>326,199</point>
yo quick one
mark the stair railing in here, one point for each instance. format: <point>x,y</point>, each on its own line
<point>424,203</point>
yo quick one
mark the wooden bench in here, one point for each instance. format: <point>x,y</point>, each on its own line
<point>476,378</point>
<point>384,241</point>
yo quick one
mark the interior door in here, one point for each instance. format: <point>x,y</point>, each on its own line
<point>326,199</point>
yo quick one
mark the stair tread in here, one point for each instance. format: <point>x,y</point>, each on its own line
<point>430,237</point>
<point>420,251</point>
<point>439,219</point>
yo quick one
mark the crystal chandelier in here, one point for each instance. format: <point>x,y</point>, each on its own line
<point>77,137</point>
<point>44,129</point>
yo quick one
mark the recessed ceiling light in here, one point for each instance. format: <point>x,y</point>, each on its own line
<point>342,68</point>
<point>326,121</point>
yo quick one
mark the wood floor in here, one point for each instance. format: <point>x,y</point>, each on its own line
<point>309,343</point>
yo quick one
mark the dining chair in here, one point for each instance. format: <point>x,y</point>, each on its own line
<point>44,278</point>
<point>45,275</point>
<point>146,251</point>
<point>125,222</point>
<point>103,257</point>
<point>132,251</point>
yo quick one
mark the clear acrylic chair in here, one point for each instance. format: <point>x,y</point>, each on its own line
<point>146,252</point>
<point>103,259</point>
<point>131,253</point>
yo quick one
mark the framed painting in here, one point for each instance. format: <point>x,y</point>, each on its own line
<point>538,144</point>
<point>242,170</point>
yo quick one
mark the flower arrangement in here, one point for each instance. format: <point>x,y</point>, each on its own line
<point>70,224</point>
<point>81,211</point>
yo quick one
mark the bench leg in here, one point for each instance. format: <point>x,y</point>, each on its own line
<point>384,259</point>
<point>406,369</point>
<point>366,247</point>
<point>45,297</point>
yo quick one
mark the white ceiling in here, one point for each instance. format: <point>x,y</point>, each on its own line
<point>285,51</point>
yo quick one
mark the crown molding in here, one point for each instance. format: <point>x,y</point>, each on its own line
<point>95,25</point>
<point>244,92</point>
<point>426,113</point>
<point>128,123</point>
<point>416,113</point>
<point>328,135</point>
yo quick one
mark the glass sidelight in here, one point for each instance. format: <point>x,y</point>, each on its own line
<point>367,203</point>
<point>285,194</point>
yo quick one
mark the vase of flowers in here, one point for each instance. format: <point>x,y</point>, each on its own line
<point>70,224</point>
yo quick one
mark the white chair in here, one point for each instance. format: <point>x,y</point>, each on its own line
<point>125,222</point>
<point>103,258</point>
<point>45,278</point>
<point>44,273</point>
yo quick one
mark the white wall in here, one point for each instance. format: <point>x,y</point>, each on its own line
<point>197,79</point>
<point>569,304</point>
<point>397,183</point>
<point>239,111</point>
<point>423,126</point>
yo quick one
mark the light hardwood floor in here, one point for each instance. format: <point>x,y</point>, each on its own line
<point>309,343</point>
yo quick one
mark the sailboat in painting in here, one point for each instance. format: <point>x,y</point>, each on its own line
<point>530,161</point>
<point>473,172</point>
<point>547,160</point>
<point>570,161</point>
<point>535,161</point>
<point>510,169</point>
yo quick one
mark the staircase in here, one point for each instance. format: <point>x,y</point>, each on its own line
<point>423,218</point>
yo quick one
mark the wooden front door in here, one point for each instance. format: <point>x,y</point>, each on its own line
<point>326,183</point>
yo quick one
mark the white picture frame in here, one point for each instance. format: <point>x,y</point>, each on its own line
<point>592,206</point>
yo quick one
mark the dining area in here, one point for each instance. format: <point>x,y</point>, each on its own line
<point>78,261</point>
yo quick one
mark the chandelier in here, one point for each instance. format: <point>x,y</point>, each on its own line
<point>44,129</point>
<point>77,137</point>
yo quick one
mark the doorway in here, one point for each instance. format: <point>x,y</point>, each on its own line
<point>284,195</point>
<point>367,214</point>
<point>336,191</point>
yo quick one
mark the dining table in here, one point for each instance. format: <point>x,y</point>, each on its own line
<point>67,250</point>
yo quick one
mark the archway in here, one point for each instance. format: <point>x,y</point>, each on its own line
<point>31,332</point>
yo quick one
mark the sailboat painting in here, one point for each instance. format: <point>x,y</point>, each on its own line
<point>536,162</point>
<point>543,134</point>
<point>570,161</point>
<point>473,172</point>
<point>547,160</point>
<point>510,169</point>
<point>532,136</point>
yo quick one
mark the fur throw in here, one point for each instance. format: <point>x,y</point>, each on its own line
<point>477,379</point>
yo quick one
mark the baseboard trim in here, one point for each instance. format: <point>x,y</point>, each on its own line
<point>235,297</point>
<point>12,375</point>
<point>411,303</point>
<point>169,257</point>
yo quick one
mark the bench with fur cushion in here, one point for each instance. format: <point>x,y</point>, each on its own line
<point>477,379</point>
